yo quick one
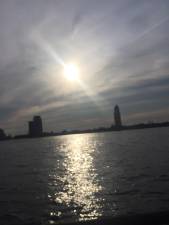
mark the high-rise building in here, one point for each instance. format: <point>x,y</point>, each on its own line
<point>35,127</point>
<point>2,134</point>
<point>117,116</point>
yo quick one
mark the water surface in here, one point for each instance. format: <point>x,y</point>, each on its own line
<point>84,176</point>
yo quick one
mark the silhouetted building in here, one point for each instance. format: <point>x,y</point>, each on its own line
<point>117,116</point>
<point>2,134</point>
<point>35,127</point>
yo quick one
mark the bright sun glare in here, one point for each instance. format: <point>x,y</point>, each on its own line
<point>71,72</point>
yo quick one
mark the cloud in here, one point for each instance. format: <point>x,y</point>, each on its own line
<point>121,48</point>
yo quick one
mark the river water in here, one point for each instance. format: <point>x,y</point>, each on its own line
<point>84,176</point>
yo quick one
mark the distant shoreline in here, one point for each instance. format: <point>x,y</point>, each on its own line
<point>96,130</point>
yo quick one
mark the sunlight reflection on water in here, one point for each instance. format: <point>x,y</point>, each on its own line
<point>80,179</point>
<point>65,179</point>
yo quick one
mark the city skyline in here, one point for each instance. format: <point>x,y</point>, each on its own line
<point>121,51</point>
<point>35,127</point>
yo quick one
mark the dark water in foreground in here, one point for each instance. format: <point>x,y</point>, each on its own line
<point>84,177</point>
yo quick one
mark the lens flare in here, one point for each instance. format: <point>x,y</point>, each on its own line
<point>71,72</point>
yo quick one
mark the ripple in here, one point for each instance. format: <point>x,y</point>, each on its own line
<point>138,177</point>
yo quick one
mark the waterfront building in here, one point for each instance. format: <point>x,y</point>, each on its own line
<point>117,117</point>
<point>36,127</point>
<point>2,134</point>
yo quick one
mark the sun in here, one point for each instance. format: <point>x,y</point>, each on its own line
<point>71,72</point>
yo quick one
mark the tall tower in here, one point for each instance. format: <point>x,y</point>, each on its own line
<point>117,116</point>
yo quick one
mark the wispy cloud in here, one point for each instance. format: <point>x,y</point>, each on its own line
<point>121,48</point>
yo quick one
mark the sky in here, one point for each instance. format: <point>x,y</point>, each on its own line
<point>121,48</point>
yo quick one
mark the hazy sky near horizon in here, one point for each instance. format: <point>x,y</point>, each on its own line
<point>121,48</point>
